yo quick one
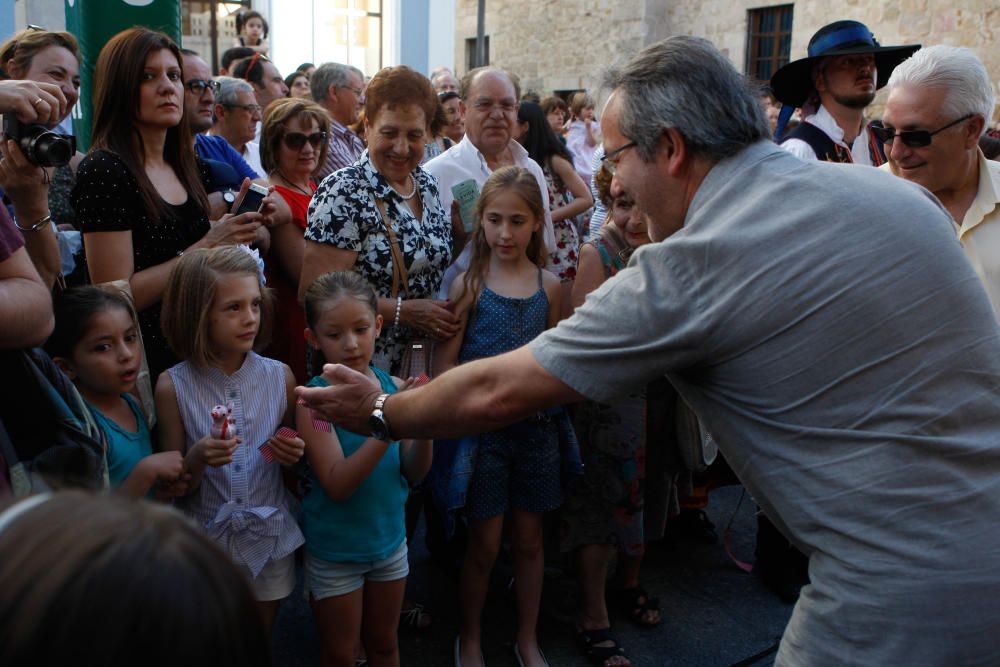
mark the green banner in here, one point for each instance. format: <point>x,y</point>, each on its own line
<point>94,22</point>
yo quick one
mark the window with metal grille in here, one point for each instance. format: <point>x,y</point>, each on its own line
<point>769,40</point>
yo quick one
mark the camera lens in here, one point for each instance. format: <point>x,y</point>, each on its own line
<point>49,150</point>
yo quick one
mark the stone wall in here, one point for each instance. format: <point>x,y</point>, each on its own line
<point>565,44</point>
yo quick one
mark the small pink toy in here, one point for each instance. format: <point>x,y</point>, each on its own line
<point>223,422</point>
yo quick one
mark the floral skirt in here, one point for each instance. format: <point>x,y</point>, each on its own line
<point>563,260</point>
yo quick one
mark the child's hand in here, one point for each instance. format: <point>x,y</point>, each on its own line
<point>287,451</point>
<point>165,492</point>
<point>216,452</point>
<point>413,383</point>
<point>163,466</point>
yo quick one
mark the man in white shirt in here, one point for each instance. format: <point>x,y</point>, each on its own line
<point>940,101</point>
<point>489,104</point>
<point>833,86</point>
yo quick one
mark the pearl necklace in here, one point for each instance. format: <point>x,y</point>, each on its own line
<point>412,192</point>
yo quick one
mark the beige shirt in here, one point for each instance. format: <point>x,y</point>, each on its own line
<point>980,229</point>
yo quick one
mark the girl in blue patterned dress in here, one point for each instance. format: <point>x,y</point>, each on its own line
<point>352,515</point>
<point>506,299</point>
<point>215,311</point>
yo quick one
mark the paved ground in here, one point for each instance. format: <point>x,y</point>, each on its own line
<point>715,614</point>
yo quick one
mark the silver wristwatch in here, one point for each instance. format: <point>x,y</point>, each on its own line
<point>377,422</point>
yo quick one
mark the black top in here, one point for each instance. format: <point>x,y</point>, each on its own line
<point>107,199</point>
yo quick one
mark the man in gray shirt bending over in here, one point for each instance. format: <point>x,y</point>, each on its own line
<point>824,323</point>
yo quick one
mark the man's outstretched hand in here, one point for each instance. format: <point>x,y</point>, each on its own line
<point>347,402</point>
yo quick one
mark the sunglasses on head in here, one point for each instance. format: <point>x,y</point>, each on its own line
<point>912,138</point>
<point>296,140</point>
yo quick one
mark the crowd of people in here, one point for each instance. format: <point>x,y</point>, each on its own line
<point>534,288</point>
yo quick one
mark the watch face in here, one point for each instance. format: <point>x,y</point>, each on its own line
<point>376,422</point>
<point>228,197</point>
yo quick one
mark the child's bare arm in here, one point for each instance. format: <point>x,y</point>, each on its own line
<point>170,428</point>
<point>552,290</point>
<point>339,475</point>
<point>167,467</point>
<point>446,352</point>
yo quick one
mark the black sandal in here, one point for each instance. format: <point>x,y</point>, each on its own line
<point>636,603</point>
<point>598,655</point>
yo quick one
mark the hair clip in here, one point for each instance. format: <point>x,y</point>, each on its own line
<point>253,252</point>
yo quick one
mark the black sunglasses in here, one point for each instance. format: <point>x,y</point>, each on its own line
<point>296,140</point>
<point>912,138</point>
<point>199,86</point>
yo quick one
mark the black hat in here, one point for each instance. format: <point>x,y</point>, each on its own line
<point>792,84</point>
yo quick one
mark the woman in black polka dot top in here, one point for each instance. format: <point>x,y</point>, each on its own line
<point>139,194</point>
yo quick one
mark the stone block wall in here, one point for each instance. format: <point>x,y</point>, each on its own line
<point>566,44</point>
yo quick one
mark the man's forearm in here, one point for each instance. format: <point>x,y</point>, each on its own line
<point>477,397</point>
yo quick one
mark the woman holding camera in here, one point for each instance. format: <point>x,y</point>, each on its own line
<point>40,195</point>
<point>139,194</point>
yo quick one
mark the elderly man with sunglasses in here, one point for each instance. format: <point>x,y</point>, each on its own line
<point>940,102</point>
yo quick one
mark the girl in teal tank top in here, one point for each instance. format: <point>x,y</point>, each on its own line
<point>353,517</point>
<point>96,343</point>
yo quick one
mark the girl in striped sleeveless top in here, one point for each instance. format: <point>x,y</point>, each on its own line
<point>215,312</point>
<point>352,515</point>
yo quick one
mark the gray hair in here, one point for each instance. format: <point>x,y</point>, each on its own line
<point>330,74</point>
<point>956,69</point>
<point>230,88</point>
<point>685,83</point>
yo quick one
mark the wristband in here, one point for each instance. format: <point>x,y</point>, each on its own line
<point>35,227</point>
<point>399,305</point>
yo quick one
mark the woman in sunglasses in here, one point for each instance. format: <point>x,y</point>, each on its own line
<point>386,188</point>
<point>140,195</point>
<point>292,147</point>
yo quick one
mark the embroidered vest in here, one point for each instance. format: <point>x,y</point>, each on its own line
<point>827,150</point>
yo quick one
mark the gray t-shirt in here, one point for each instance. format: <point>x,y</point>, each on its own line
<point>824,323</point>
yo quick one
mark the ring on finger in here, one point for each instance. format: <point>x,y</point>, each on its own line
<point>35,103</point>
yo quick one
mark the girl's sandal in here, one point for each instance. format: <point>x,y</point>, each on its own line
<point>637,604</point>
<point>415,617</point>
<point>599,655</point>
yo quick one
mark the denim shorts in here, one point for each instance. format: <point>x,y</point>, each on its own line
<point>326,579</point>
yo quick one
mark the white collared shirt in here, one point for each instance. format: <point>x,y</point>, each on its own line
<point>824,121</point>
<point>464,161</point>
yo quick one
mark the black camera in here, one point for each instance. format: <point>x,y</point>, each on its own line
<point>39,144</point>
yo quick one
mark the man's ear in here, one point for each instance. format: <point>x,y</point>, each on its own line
<point>672,153</point>
<point>974,130</point>
<point>65,366</point>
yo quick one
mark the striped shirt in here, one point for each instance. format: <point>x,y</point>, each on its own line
<point>243,505</point>
<point>344,149</point>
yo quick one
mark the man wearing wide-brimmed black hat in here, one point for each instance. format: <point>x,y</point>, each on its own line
<point>832,86</point>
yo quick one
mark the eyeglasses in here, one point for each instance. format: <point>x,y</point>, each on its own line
<point>486,105</point>
<point>199,86</point>
<point>608,157</point>
<point>913,138</point>
<point>296,140</point>
<point>252,108</point>
<point>357,91</point>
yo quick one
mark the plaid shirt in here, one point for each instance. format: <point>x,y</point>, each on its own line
<point>344,149</point>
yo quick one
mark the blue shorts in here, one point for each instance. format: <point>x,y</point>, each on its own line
<point>327,579</point>
<point>517,467</point>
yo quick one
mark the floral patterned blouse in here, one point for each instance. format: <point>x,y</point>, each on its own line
<point>343,214</point>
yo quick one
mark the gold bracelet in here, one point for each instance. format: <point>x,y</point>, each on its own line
<point>35,227</point>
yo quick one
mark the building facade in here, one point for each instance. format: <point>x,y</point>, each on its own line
<point>564,45</point>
